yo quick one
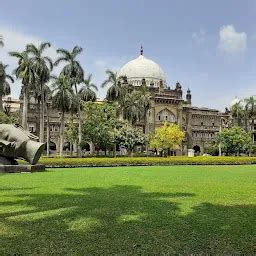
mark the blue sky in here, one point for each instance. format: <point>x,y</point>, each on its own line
<point>208,46</point>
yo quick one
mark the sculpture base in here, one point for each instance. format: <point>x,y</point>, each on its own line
<point>21,168</point>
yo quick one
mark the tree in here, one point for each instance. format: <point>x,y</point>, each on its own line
<point>75,72</point>
<point>167,137</point>
<point>145,104</point>
<point>132,107</point>
<point>129,137</point>
<point>251,110</point>
<point>235,140</point>
<point>26,73</point>
<point>116,90</point>
<point>99,124</point>
<point>42,66</point>
<point>12,118</point>
<point>86,92</point>
<point>237,112</point>
<point>47,95</point>
<point>71,132</point>
<point>62,99</point>
<point>5,88</point>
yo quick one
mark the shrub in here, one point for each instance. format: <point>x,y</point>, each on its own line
<point>146,161</point>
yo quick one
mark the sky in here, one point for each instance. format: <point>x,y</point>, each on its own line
<point>208,46</point>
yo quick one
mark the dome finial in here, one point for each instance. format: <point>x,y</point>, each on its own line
<point>141,50</point>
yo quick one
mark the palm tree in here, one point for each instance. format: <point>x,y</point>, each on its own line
<point>116,90</point>
<point>145,99</point>
<point>1,41</point>
<point>62,100</point>
<point>42,66</point>
<point>251,110</point>
<point>75,72</point>
<point>86,92</point>
<point>26,73</point>
<point>132,108</point>
<point>47,94</point>
<point>5,88</point>
<point>237,112</point>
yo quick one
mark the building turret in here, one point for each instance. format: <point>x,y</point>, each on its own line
<point>188,97</point>
<point>178,88</point>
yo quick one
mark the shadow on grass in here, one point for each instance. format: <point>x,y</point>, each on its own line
<point>124,220</point>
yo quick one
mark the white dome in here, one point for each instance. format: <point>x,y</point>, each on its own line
<point>141,67</point>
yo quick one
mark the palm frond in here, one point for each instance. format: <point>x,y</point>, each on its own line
<point>76,50</point>
<point>44,45</point>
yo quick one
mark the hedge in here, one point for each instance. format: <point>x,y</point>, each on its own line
<point>145,161</point>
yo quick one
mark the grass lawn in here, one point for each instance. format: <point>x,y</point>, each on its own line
<point>129,211</point>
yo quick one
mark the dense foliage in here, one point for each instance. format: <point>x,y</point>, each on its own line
<point>12,118</point>
<point>99,123</point>
<point>129,137</point>
<point>167,137</point>
<point>137,161</point>
<point>235,141</point>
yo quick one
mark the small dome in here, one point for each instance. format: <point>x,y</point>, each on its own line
<point>141,67</point>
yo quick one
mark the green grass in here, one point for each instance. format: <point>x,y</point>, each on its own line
<point>129,211</point>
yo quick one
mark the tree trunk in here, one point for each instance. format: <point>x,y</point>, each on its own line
<point>79,131</point>
<point>114,150</point>
<point>129,151</point>
<point>61,134</point>
<point>48,132</point>
<point>92,148</point>
<point>71,148</point>
<point>41,137</point>
<point>25,109</point>
<point>1,104</point>
<point>79,152</point>
<point>246,124</point>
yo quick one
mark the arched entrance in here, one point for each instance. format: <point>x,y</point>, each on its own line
<point>85,146</point>
<point>197,150</point>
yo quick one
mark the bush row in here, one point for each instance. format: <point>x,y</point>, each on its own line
<point>145,161</point>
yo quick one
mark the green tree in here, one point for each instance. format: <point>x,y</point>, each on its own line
<point>12,118</point>
<point>167,137</point>
<point>42,66</point>
<point>115,91</point>
<point>75,72</point>
<point>251,110</point>
<point>132,107</point>
<point>145,100</point>
<point>235,140</point>
<point>62,100</point>
<point>99,124</point>
<point>237,112</point>
<point>47,94</point>
<point>71,132</point>
<point>5,88</point>
<point>26,73</point>
<point>86,91</point>
<point>129,137</point>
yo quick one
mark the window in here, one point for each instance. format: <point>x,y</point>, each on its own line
<point>202,123</point>
<point>166,115</point>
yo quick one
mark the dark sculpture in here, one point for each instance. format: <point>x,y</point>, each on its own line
<point>17,143</point>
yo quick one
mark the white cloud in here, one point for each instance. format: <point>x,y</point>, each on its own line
<point>199,37</point>
<point>231,41</point>
<point>16,41</point>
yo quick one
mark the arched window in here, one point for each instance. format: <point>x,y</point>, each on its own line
<point>166,115</point>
